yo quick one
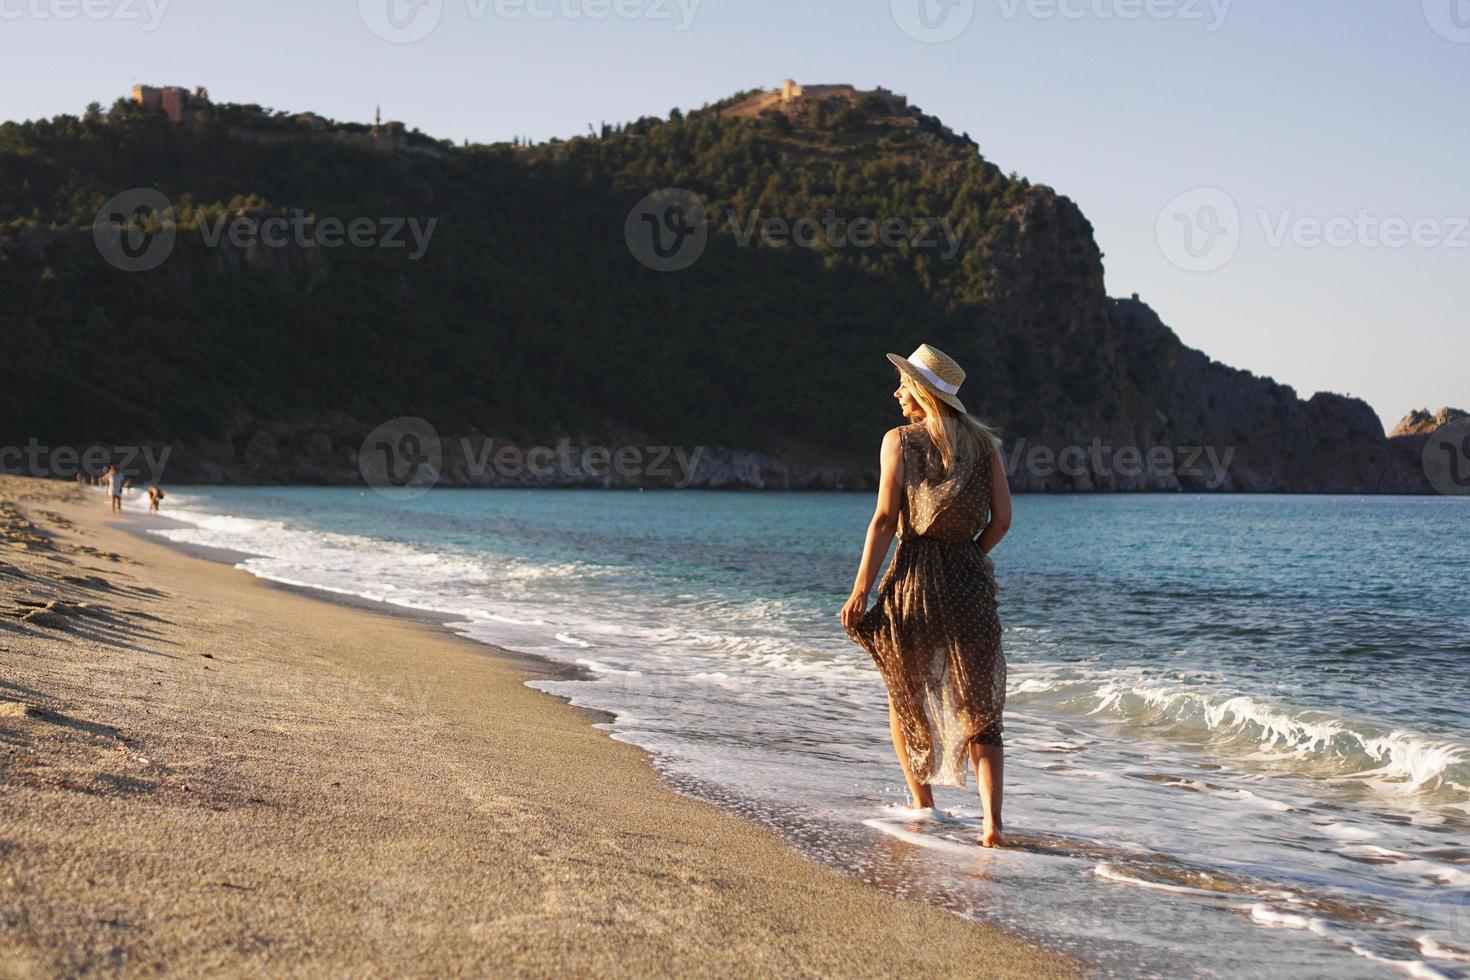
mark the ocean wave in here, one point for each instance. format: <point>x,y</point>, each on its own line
<point>1395,761</point>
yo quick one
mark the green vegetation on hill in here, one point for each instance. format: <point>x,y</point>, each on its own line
<point>528,317</point>
<point>527,313</point>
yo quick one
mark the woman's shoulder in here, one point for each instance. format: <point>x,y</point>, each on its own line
<point>913,435</point>
<point>903,433</point>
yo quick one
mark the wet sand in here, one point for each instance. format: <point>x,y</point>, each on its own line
<point>200,773</point>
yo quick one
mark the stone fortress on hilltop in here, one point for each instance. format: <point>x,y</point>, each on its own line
<point>792,96</point>
<point>173,100</point>
<point>250,122</point>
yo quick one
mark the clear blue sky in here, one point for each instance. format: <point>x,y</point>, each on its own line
<point>1301,108</point>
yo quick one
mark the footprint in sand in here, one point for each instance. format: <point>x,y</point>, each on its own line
<point>53,613</point>
<point>88,581</point>
<point>109,555</point>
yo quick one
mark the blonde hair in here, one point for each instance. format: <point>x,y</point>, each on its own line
<point>959,435</point>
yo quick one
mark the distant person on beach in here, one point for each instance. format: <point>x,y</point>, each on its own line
<point>115,488</point>
<point>934,631</point>
<point>155,497</point>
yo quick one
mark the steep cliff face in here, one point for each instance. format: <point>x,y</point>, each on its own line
<point>1278,441</point>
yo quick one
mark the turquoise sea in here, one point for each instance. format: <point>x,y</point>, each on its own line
<point>1238,727</point>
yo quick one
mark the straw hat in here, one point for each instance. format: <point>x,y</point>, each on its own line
<point>935,370</point>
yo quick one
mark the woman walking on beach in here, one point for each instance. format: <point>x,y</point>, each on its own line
<point>934,632</point>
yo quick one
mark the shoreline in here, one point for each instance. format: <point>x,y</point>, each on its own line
<point>1429,494</point>
<point>536,667</point>
<point>204,771</point>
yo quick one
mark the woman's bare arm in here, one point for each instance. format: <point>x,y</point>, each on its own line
<point>1000,506</point>
<point>881,528</point>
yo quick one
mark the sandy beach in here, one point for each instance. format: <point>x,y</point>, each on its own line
<point>204,774</point>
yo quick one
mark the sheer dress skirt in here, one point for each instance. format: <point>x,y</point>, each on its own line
<point>934,634</point>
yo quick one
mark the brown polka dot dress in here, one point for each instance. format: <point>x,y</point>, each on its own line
<point>934,631</point>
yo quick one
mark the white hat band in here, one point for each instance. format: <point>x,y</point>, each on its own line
<point>930,376</point>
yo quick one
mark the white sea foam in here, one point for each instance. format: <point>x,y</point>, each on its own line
<point>1267,915</point>
<point>1112,873</point>
<point>1407,864</point>
<point>601,668</point>
<point>1263,802</point>
<point>1412,968</point>
<point>1396,762</point>
<point>511,621</point>
<point>929,842</point>
<point>1347,831</point>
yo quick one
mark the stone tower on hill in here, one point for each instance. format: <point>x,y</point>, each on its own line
<point>174,101</point>
<point>791,96</point>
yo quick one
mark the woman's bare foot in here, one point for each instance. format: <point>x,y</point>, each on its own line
<point>990,837</point>
<point>924,801</point>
